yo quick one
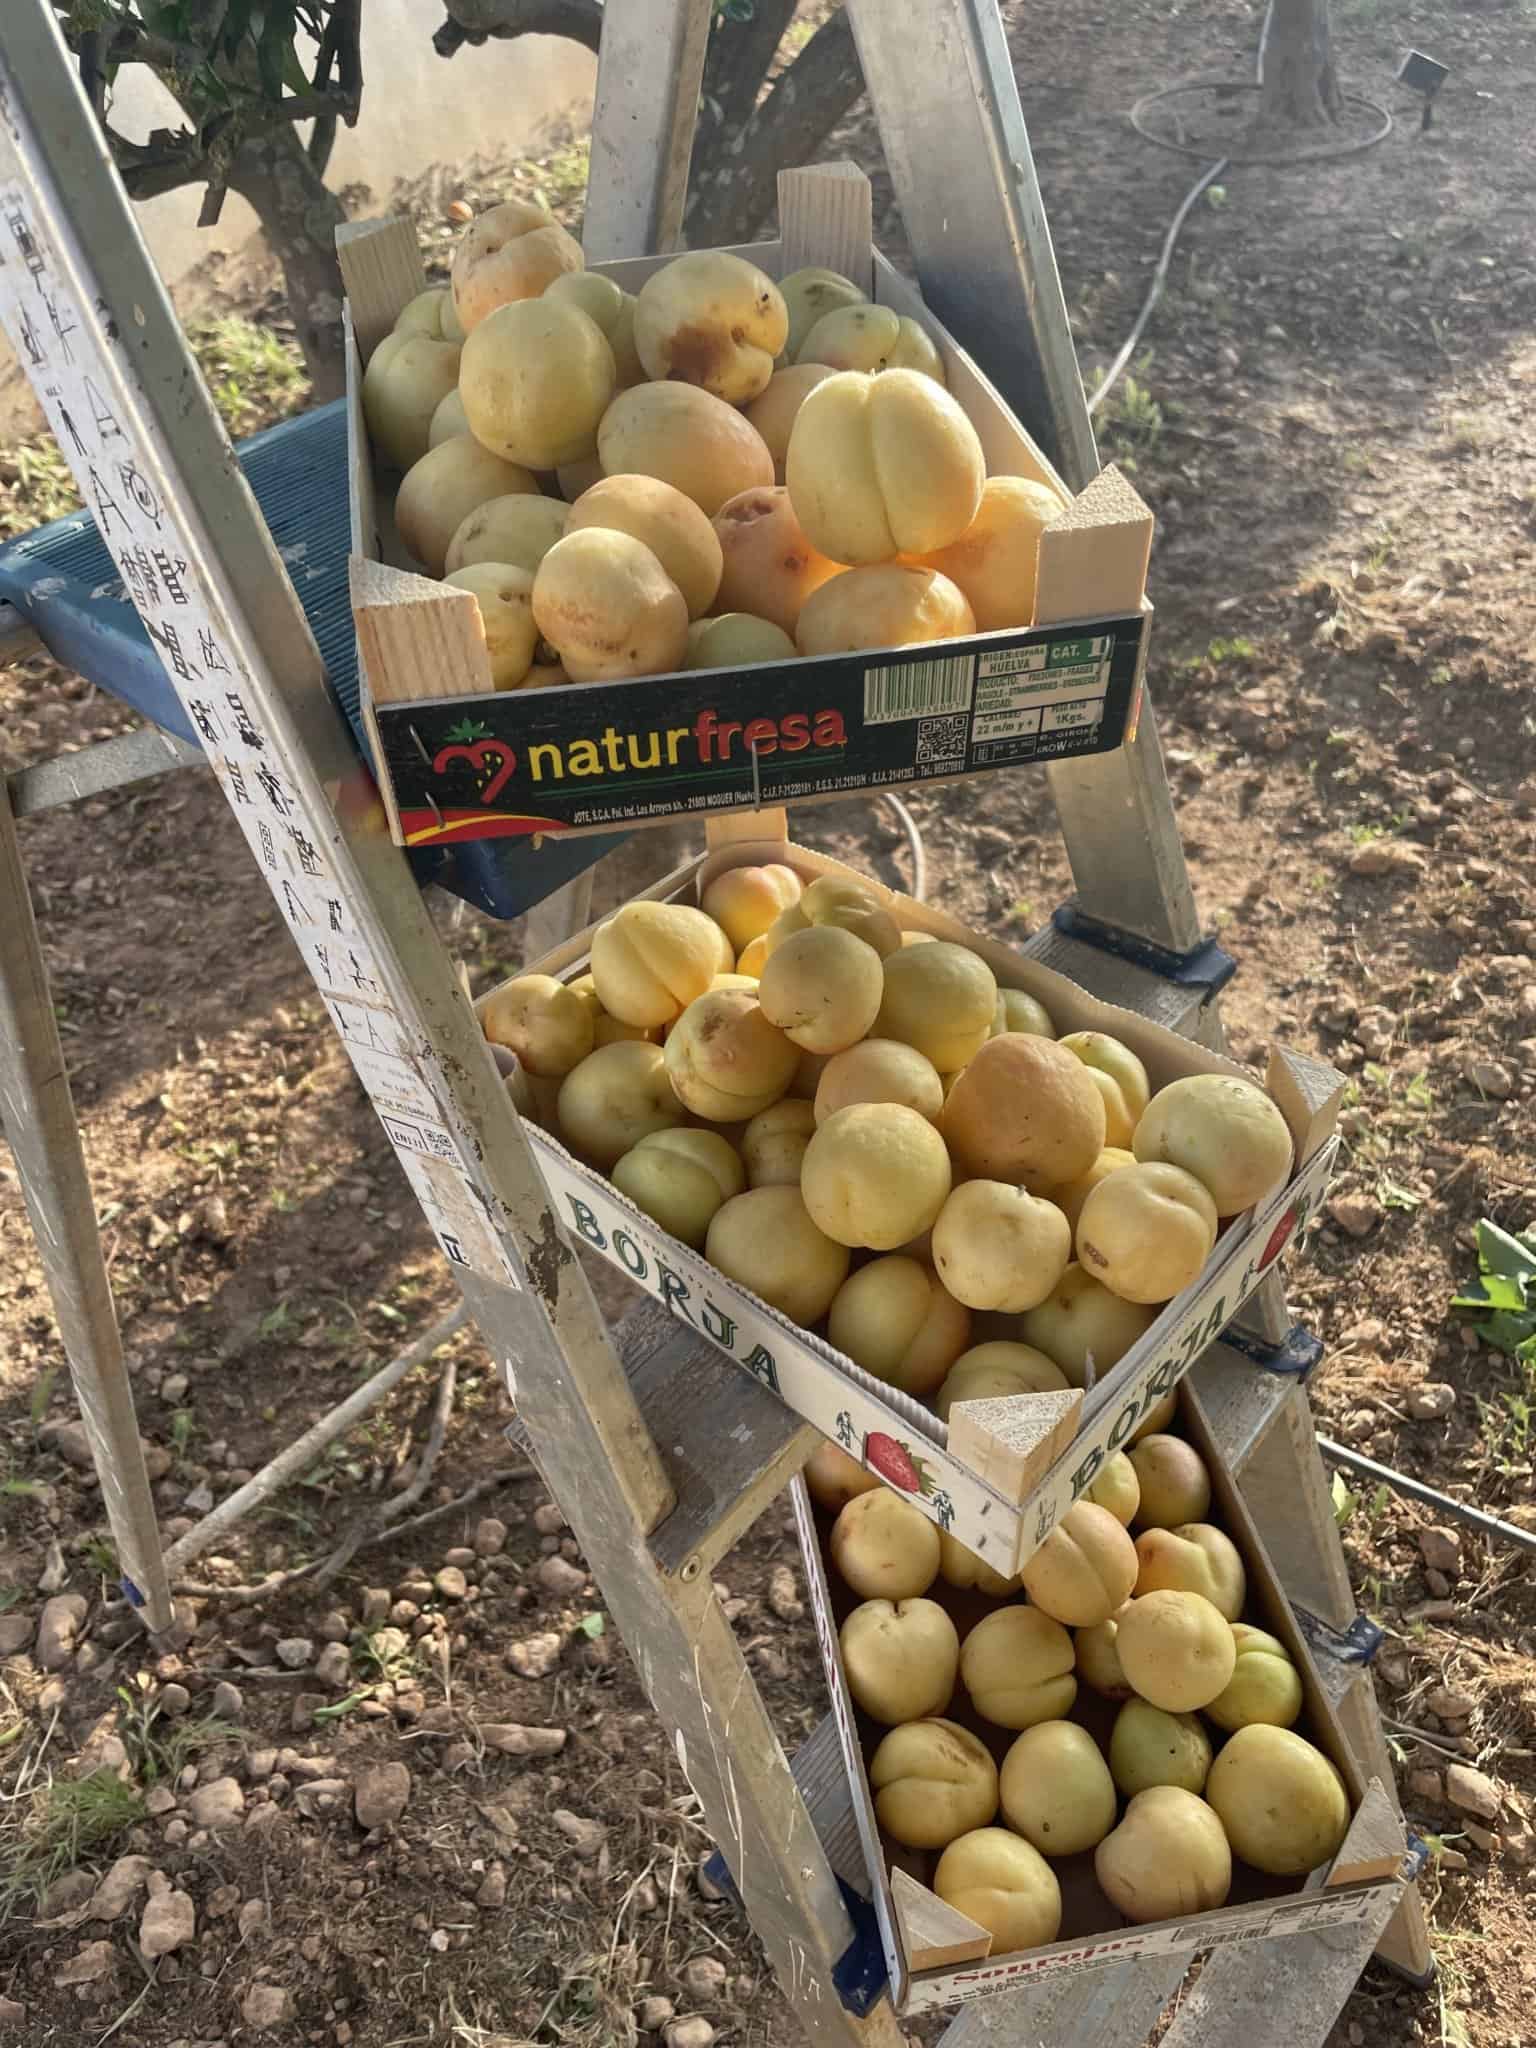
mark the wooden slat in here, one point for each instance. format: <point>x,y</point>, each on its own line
<point>382,271</point>
<point>1374,1847</point>
<point>1114,2007</point>
<point>1241,1400</point>
<point>1309,1094</point>
<point>417,638</point>
<point>826,217</point>
<point>933,1934</point>
<point>1010,1442</point>
<point>1285,1494</point>
<point>819,1771</point>
<point>1094,554</point>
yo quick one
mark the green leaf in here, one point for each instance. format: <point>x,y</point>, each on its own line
<point>1393,1195</point>
<point>469,729</point>
<point>592,1626</point>
<point>1509,1257</point>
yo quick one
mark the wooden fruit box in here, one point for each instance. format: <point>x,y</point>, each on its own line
<point>457,760</point>
<point>936,1956</point>
<point>1001,1473</point>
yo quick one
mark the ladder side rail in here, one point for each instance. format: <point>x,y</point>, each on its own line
<point>650,70</point>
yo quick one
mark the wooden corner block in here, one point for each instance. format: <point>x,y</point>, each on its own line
<point>382,272</point>
<point>934,1935</point>
<point>417,638</point>
<point>1009,1442</point>
<point>1308,1094</point>
<point>730,828</point>
<point>1094,554</point>
<point>1375,1846</point>
<point>826,216</point>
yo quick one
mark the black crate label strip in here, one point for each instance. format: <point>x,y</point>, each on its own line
<point>82,373</point>
<point>610,754</point>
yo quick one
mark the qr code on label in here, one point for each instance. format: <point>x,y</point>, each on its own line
<point>941,740</point>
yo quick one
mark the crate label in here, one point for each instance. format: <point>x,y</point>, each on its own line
<point>612,754</point>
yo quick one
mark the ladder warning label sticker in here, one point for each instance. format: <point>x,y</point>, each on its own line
<point>615,754</point>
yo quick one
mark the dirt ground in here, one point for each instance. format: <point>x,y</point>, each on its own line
<point>1333,418</point>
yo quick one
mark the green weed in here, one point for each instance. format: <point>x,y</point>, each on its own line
<point>255,376</point>
<point>161,1745</point>
<point>70,1818</point>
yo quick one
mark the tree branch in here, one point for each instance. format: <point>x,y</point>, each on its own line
<point>469,21</point>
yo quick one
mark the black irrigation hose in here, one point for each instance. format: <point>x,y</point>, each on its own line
<point>1208,178</point>
<point>1415,1489</point>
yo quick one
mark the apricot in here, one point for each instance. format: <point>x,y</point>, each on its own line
<point>745,901</point>
<point>1084,1570</point>
<point>939,999</point>
<point>608,608</point>
<point>1150,1747</point>
<point>504,598</point>
<point>765,1240</point>
<point>810,293</point>
<point>769,569</point>
<point>680,1178</point>
<point>1282,1803</point>
<point>875,1174</point>
<point>662,519</point>
<point>712,319</point>
<point>424,315</point>
<point>511,252</point>
<point>989,1371</point>
<point>1175,1485</point>
<point>880,466</point>
<point>442,488</point>
<point>1176,1649</point>
<point>536,378</point>
<point>618,1095</point>
<point>1168,1858</point>
<point>519,529</point>
<point>773,1144</point>
<point>960,1568</point>
<point>880,1070</point>
<point>607,1030</point>
<point>543,1022</point>
<point>773,412</point>
<point>1055,1788</point>
<point>1024,1111</point>
<point>449,419</point>
<point>687,437</point>
<point>1017,1010</point>
<point>1069,1196</point>
<point>898,1655</point>
<point>890,605</point>
<point>932,1780</point>
<point>651,960</point>
<point>1004,1884</point>
<point>822,988</point>
<point>870,338</point>
<point>848,904</point>
<point>1224,1131</point>
<point>894,1319</point>
<point>998,1247</point>
<point>1197,1558</point>
<point>996,559</point>
<point>884,1548</point>
<point>726,1058</point>
<point>1120,1078</point>
<point>834,1478</point>
<point>1016,1664</point>
<point>1081,1323</point>
<point>613,309</point>
<point>1116,1487</point>
<point>1098,1660</point>
<point>736,640</point>
<point>1265,1684</point>
<point>1146,1231</point>
<point>407,378</point>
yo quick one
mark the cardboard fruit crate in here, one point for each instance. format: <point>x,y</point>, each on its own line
<point>936,1956</point>
<point>457,760</point>
<point>1001,1473</point>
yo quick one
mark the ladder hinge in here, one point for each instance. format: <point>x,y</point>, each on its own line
<point>1356,1644</point>
<point>1296,1356</point>
<point>859,1975</point>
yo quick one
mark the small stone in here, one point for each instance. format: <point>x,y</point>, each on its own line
<point>652,2014</point>
<point>1425,1784</point>
<point>321,1798</point>
<point>1519,1844</point>
<point>784,1594</point>
<point>462,1556</point>
<point>1386,857</point>
<point>509,1739</point>
<point>174,1700</point>
<point>176,1831</point>
<point>1449,1704</point>
<point>1491,1078</point>
<point>1438,1582</point>
<point>451,1582</point>
<point>1441,1550</point>
<point>96,1960</point>
<point>302,1716</point>
<point>437,1941</point>
<point>1451,1859</point>
<point>200,1499</point>
<point>294,1652</point>
<point>169,1922</point>
<point>119,1888</point>
<point>15,1633</point>
<point>223,1900</point>
<point>1430,1402</point>
<point>556,1575</point>
<point>267,2005</point>
<point>262,1817</point>
<point>376,1605</point>
<point>492,1895</point>
<point>159,1799</point>
<point>260,1764</point>
<point>1355,1214</point>
<point>219,1805</point>
<point>588,1838</point>
<point>173,1388</point>
<point>548,1519</point>
<point>57,1629</point>
<point>692,2032</point>
<point>1434,1610</point>
<point>1471,1792</point>
<point>333,1627</point>
<point>704,1976</point>
<point>457,1755</point>
<point>1481,1837</point>
<point>490,1537</point>
<point>383,1791</point>
<point>54,1576</point>
<point>403,1613</point>
<point>251,1918</point>
<point>333,1666</point>
<point>228,1701</point>
<point>12,2012</point>
<point>535,1656</point>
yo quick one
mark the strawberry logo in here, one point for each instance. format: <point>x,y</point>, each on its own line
<point>893,1462</point>
<point>1278,1238</point>
<point>492,760</point>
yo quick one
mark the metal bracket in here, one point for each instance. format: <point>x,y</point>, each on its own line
<point>1206,966</point>
<point>1297,1356</point>
<point>1356,1644</point>
<point>859,1976</point>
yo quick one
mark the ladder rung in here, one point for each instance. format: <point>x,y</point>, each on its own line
<point>1240,1400</point>
<point>728,1445</point>
<point>1174,1005</point>
<point>822,1776</point>
<point>1114,2007</point>
<point>1274,1994</point>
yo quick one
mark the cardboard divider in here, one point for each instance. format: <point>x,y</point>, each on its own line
<point>654,750</point>
<point>931,1960</point>
<point>1001,1474</point>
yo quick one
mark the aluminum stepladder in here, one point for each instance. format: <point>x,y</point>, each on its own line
<point>637,1461</point>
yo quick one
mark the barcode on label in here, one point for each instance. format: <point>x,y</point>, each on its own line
<point>917,689</point>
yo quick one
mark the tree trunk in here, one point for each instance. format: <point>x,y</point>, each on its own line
<point>743,142</point>
<point>1301,88</point>
<point>299,218</point>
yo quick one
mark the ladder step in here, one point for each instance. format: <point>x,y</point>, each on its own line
<point>1240,1399</point>
<point>1174,1005</point>
<point>728,1445</point>
<point>822,1776</point>
<point>1275,1994</point>
<point>1115,2007</point>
